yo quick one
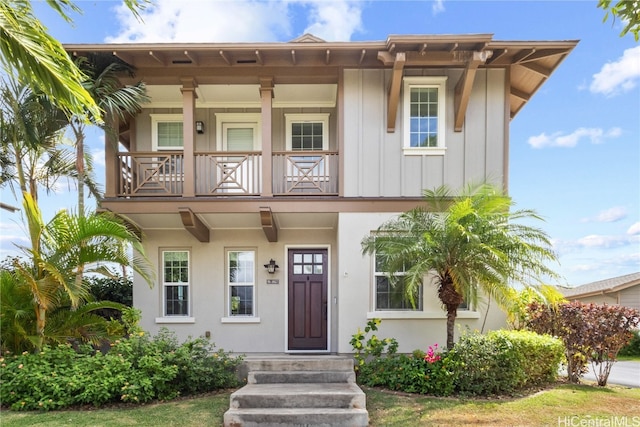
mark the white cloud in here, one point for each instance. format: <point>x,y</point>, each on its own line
<point>437,7</point>
<point>558,139</point>
<point>98,157</point>
<point>634,229</point>
<point>612,215</point>
<point>601,241</point>
<point>619,76</point>
<point>237,21</point>
<point>335,20</point>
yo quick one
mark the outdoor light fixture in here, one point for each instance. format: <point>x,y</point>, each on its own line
<point>271,267</point>
<point>200,127</point>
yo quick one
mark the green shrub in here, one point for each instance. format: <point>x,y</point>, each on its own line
<point>503,362</point>
<point>137,369</point>
<point>411,374</point>
<point>633,347</point>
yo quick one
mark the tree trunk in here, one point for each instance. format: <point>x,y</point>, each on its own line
<point>41,313</point>
<point>79,134</point>
<point>451,299</point>
<point>452,313</point>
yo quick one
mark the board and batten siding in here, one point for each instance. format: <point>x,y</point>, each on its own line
<point>375,165</point>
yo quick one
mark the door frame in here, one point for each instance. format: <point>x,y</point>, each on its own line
<point>286,297</point>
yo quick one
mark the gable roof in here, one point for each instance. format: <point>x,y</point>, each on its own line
<point>528,63</point>
<point>606,286</point>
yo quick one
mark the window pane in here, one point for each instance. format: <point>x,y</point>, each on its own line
<point>170,134</point>
<point>239,139</point>
<point>424,117</point>
<point>307,136</point>
<point>242,300</point>
<point>177,300</point>
<point>241,267</point>
<point>176,267</point>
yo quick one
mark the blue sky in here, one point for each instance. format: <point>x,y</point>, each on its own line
<point>575,147</point>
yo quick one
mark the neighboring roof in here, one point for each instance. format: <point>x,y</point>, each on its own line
<point>529,63</point>
<point>615,284</point>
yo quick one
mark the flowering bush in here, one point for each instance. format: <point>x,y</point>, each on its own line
<point>431,356</point>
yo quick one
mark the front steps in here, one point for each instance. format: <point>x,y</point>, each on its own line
<point>298,391</point>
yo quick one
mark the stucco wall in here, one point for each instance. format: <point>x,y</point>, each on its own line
<point>208,287</point>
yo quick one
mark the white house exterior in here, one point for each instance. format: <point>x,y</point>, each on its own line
<point>293,152</point>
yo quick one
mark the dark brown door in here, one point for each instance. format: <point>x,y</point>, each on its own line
<point>307,288</point>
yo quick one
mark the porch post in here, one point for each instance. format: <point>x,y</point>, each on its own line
<point>189,96</point>
<point>111,169</point>
<point>266,97</point>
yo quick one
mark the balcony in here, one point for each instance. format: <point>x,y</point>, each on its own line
<point>227,174</point>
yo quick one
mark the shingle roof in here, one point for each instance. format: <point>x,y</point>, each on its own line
<point>604,286</point>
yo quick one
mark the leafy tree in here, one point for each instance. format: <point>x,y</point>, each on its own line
<point>517,310</point>
<point>65,245</point>
<point>590,332</point>
<point>628,11</point>
<point>470,242</point>
<point>41,60</point>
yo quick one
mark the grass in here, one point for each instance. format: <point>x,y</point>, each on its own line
<point>562,405</point>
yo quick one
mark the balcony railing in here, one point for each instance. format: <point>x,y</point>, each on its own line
<point>153,174</point>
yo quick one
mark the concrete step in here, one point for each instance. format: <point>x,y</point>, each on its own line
<point>280,417</point>
<point>294,363</point>
<point>297,377</point>
<point>327,395</point>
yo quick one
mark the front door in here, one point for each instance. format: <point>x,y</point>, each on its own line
<point>307,305</point>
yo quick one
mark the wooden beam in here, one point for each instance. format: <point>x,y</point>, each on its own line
<point>268,224</point>
<point>520,94</point>
<point>194,225</point>
<point>464,86</point>
<point>394,91</point>
<point>536,68</point>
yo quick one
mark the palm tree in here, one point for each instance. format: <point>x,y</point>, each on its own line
<point>32,141</point>
<point>113,99</point>
<point>41,60</point>
<point>66,245</point>
<point>18,318</point>
<point>471,243</point>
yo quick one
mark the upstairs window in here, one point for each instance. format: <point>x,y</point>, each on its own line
<point>167,132</point>
<point>307,132</point>
<point>424,115</point>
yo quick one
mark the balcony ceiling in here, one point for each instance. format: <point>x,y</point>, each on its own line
<point>245,96</point>
<point>309,60</point>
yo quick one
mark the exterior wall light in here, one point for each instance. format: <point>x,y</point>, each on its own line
<point>200,127</point>
<point>271,267</point>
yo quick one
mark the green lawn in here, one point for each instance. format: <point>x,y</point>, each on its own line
<point>563,405</point>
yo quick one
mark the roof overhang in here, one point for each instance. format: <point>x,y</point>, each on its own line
<point>530,63</point>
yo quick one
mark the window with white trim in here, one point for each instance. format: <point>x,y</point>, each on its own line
<point>424,115</point>
<point>307,132</point>
<point>391,295</point>
<point>167,132</point>
<point>241,281</point>
<point>175,283</point>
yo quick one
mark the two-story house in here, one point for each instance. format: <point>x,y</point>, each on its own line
<point>257,168</point>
